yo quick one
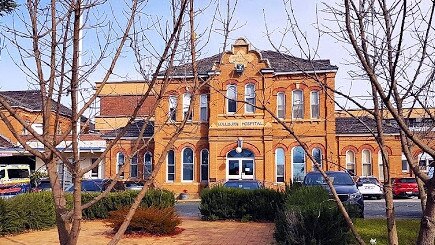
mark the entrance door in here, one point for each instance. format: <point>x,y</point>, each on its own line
<point>240,165</point>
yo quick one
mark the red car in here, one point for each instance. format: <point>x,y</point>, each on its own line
<point>405,187</point>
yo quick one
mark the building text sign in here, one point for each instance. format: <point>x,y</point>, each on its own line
<point>242,123</point>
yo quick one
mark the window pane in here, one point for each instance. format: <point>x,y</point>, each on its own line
<point>204,172</point>
<point>203,108</point>
<point>133,167</point>
<point>298,155</point>
<point>317,154</point>
<point>231,98</point>
<point>148,165</point>
<point>281,105</point>
<point>298,104</point>
<point>250,98</point>
<point>186,105</point>
<point>187,171</point>
<point>280,164</point>
<point>171,165</point>
<point>298,164</point>
<point>171,157</point>
<point>188,155</point>
<point>172,107</point>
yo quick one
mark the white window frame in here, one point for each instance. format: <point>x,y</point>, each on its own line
<point>187,99</point>
<point>203,108</point>
<point>38,128</point>
<point>301,104</point>
<point>350,161</point>
<point>202,164</point>
<point>172,113</point>
<point>118,165</point>
<point>276,165</point>
<point>145,164</point>
<point>370,162</point>
<point>183,163</point>
<point>250,105</point>
<point>228,99</point>
<point>134,162</point>
<point>278,95</point>
<point>315,103</point>
<point>167,167</point>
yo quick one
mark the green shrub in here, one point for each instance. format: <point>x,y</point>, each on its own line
<point>309,217</point>
<point>229,203</point>
<point>35,211</point>
<point>153,220</point>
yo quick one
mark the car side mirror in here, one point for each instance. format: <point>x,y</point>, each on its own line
<point>359,183</point>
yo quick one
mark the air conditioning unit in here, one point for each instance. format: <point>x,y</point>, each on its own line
<point>240,68</point>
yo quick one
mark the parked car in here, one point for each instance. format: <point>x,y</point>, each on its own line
<point>14,179</point>
<point>42,185</point>
<point>405,187</point>
<point>344,186</point>
<point>243,184</point>
<point>133,185</point>
<point>370,187</point>
<point>98,185</point>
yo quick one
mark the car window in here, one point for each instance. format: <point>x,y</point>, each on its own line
<point>336,178</point>
<point>368,181</point>
<point>91,186</point>
<point>406,180</point>
<point>18,173</point>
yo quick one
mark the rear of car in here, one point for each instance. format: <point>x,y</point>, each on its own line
<point>405,187</point>
<point>243,184</point>
<point>14,179</point>
<point>370,187</point>
<point>344,186</point>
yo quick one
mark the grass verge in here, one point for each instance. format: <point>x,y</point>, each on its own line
<point>407,230</point>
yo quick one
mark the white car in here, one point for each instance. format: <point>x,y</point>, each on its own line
<point>370,187</point>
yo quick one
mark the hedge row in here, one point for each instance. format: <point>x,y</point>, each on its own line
<point>239,204</point>
<point>35,211</point>
<point>309,217</point>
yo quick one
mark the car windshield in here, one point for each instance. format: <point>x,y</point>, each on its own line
<point>337,178</point>
<point>91,186</point>
<point>368,181</point>
<point>242,185</point>
<point>406,180</point>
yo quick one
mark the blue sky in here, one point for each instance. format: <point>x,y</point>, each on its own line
<point>249,15</point>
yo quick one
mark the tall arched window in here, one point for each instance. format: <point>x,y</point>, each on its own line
<point>186,104</point>
<point>120,160</point>
<point>280,105</point>
<point>231,99</point>
<point>133,167</point>
<point>250,98</point>
<point>147,165</point>
<point>204,165</point>
<point>350,162</point>
<point>187,170</point>
<point>381,164</point>
<point>280,164</point>
<point>170,162</point>
<point>298,104</point>
<point>366,163</point>
<point>315,112</point>
<point>317,155</point>
<point>298,164</point>
<point>172,108</point>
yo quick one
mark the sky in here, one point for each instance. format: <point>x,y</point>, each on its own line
<point>251,17</point>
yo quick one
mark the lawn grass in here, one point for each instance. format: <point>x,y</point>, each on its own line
<point>407,229</point>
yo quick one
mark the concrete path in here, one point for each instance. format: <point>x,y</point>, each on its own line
<point>196,232</point>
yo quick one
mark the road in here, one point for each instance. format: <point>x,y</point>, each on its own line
<point>405,208</point>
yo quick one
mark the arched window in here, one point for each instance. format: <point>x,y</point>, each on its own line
<point>231,99</point>
<point>250,98</point>
<point>133,167</point>
<point>170,162</point>
<point>187,170</point>
<point>172,108</point>
<point>186,104</point>
<point>298,164</point>
<point>203,108</point>
<point>280,105</point>
<point>366,163</point>
<point>350,162</point>
<point>298,104</point>
<point>204,165</point>
<point>315,104</point>
<point>280,164</point>
<point>120,160</point>
<point>381,164</point>
<point>317,155</point>
<point>147,165</point>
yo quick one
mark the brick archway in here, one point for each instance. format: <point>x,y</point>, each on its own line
<point>232,146</point>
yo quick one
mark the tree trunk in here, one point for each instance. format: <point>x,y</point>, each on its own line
<point>427,225</point>
<point>389,211</point>
<point>421,193</point>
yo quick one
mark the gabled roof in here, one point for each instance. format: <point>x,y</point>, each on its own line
<point>278,62</point>
<point>30,100</point>
<point>362,125</point>
<point>133,130</point>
